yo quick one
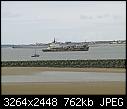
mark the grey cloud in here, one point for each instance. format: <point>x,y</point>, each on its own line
<point>116,17</point>
<point>10,15</point>
<point>105,16</point>
<point>100,17</point>
<point>85,17</point>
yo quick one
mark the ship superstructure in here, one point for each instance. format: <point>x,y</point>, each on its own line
<point>56,47</point>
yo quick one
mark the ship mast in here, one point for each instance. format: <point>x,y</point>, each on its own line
<point>54,40</point>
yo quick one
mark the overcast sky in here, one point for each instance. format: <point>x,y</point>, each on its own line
<point>26,22</point>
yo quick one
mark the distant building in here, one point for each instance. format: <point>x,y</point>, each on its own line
<point>114,42</point>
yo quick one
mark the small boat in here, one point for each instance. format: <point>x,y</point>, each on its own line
<point>35,55</point>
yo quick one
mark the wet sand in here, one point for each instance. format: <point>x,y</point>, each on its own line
<point>31,70</point>
<point>92,88</point>
<point>85,88</point>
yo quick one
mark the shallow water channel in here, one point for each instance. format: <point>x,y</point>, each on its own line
<point>61,76</point>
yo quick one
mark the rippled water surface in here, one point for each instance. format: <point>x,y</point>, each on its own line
<point>99,52</point>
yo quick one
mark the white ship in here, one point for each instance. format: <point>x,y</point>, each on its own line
<point>56,47</point>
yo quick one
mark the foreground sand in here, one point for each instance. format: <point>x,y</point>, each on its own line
<point>84,88</point>
<point>30,70</point>
<point>92,88</point>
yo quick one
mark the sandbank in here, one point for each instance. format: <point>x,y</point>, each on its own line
<point>31,70</point>
<point>81,88</point>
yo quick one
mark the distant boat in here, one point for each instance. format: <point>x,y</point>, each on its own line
<point>35,55</point>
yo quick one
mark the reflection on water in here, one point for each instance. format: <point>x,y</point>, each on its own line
<point>57,76</point>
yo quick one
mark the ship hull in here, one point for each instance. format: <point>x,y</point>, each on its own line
<point>60,50</point>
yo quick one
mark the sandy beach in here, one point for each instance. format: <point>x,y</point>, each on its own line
<point>85,88</point>
<point>92,88</point>
<point>31,70</point>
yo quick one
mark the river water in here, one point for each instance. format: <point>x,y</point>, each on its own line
<point>97,52</point>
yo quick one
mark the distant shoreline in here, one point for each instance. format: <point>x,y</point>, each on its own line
<point>46,45</point>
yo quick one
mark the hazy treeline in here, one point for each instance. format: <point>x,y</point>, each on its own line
<point>108,63</point>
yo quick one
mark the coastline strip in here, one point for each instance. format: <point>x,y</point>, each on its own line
<point>105,63</point>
